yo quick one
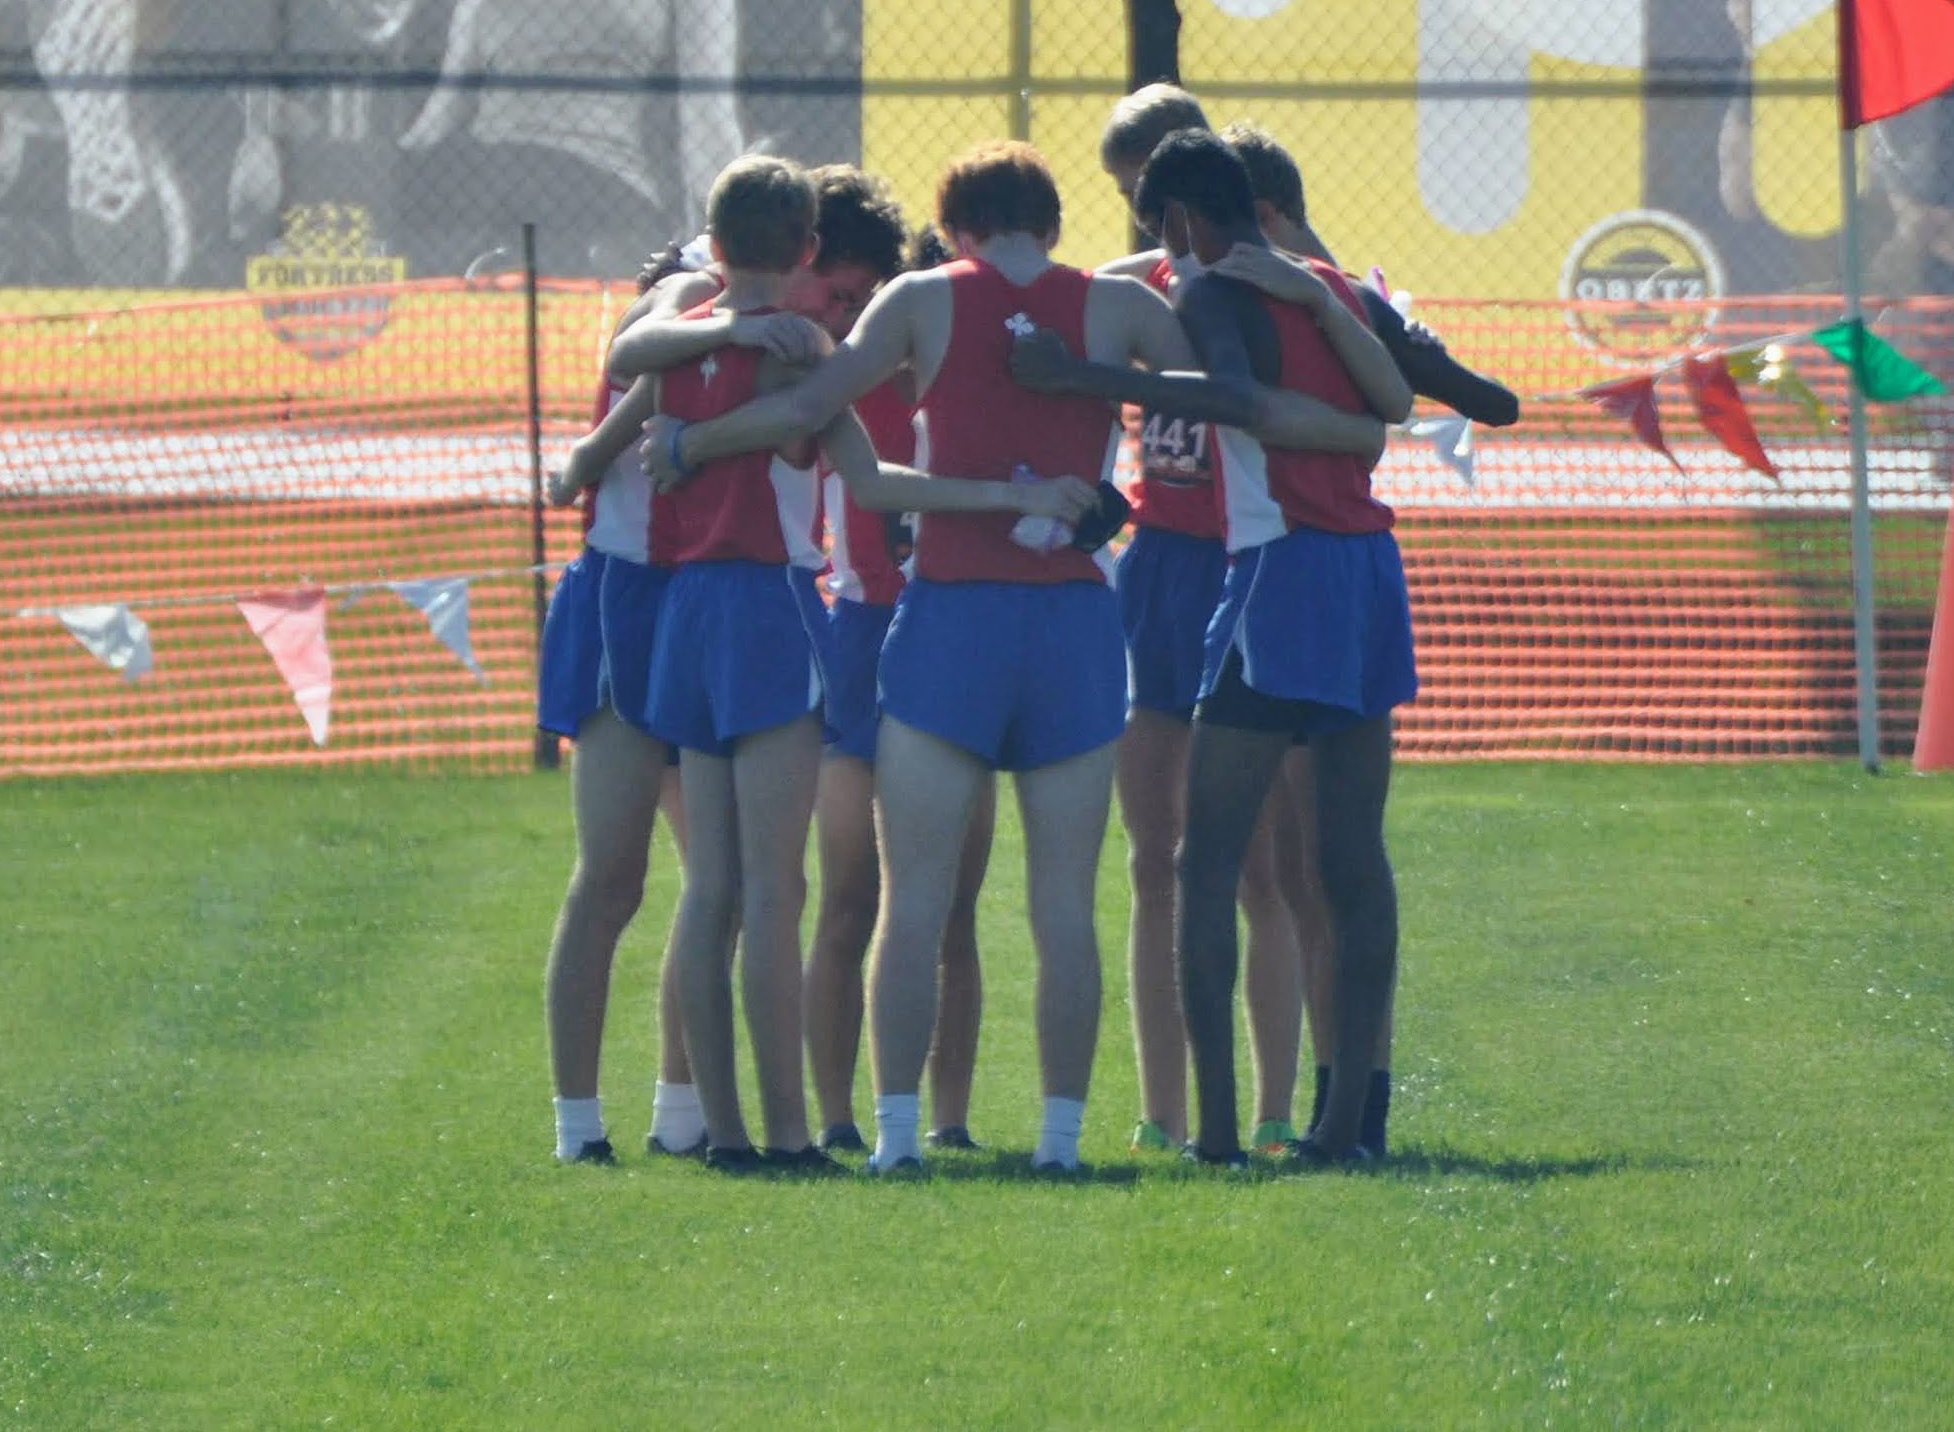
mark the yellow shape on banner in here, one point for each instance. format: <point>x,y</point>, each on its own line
<point>1794,138</point>
<point>1746,365</point>
<point>1771,366</point>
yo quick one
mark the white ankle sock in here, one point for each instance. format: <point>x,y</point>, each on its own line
<point>895,1129</point>
<point>578,1122</point>
<point>677,1120</point>
<point>1058,1142</point>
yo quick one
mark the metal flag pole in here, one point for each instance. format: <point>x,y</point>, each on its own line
<point>1865,638</point>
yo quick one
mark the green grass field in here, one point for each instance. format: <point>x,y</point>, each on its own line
<point>1676,1125</point>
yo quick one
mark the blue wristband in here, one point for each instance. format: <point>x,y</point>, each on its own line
<point>678,462</point>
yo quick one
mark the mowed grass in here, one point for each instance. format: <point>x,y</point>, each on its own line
<point>1674,1122</point>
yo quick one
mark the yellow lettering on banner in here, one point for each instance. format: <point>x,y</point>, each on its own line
<point>276,272</point>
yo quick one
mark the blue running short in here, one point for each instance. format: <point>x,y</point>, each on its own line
<point>1169,585</point>
<point>742,648</point>
<point>856,656</point>
<point>597,639</point>
<point>1318,623</point>
<point>1020,675</point>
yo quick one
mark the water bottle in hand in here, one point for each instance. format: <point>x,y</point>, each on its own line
<point>1040,534</point>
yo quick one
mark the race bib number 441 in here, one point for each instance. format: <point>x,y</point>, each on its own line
<point>1175,451</point>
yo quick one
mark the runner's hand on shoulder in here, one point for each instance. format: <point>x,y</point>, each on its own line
<point>1041,362</point>
<point>1284,279</point>
<point>789,337</point>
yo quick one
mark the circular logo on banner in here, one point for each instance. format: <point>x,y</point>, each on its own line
<point>1661,267</point>
<point>324,247</point>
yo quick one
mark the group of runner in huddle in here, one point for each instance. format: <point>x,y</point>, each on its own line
<point>948,407</point>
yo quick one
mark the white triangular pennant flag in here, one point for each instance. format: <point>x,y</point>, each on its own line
<point>114,635</point>
<point>1451,439</point>
<point>292,625</point>
<point>445,605</point>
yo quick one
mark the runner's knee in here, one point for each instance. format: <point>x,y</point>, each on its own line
<point>610,889</point>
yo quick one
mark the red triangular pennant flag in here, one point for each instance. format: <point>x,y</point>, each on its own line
<point>1892,55</point>
<point>1721,407</point>
<point>292,625</point>
<point>1633,399</point>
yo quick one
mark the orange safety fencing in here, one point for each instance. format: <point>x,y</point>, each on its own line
<point>1579,598</point>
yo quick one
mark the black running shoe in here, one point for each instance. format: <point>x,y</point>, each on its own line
<point>843,1139</point>
<point>1307,1153</point>
<point>1233,1162</point>
<point>809,1161</point>
<point>908,1166</point>
<point>658,1149</point>
<point>729,1160</point>
<point>956,1138</point>
<point>596,1151</point>
<point>1053,1169</point>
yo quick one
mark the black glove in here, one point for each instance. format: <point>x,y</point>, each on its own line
<point>1102,524</point>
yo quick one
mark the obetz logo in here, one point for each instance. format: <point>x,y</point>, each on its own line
<point>1641,286</point>
<point>325,249</point>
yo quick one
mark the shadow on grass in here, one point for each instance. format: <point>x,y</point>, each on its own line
<point>1014,1166</point>
<point>1424,1163</point>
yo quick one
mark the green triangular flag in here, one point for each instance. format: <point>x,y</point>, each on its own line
<point>1885,374</point>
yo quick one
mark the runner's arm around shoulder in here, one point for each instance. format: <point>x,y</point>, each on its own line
<point>1435,373</point>
<point>873,351</point>
<point>890,487</point>
<point>592,454</point>
<point>1283,418</point>
<point>1146,327</point>
<point>658,338</point>
<point>1131,265</point>
<point>1290,280</point>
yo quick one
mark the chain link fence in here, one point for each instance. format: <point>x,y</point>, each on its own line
<point>1571,192</point>
<point>1479,148</point>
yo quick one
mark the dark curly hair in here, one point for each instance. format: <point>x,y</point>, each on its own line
<point>856,220</point>
<point>660,266</point>
<point>927,249</point>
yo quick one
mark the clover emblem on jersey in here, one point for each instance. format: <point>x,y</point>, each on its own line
<point>1021,325</point>
<point>709,369</point>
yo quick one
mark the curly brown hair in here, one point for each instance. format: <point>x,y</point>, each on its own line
<point>1003,187</point>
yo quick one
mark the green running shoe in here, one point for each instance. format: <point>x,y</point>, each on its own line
<point>1150,1138</point>
<point>1273,1136</point>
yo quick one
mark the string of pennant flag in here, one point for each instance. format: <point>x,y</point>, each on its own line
<point>1711,378</point>
<point>1881,371</point>
<point>290,623</point>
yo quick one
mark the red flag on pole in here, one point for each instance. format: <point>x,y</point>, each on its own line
<point>1892,55</point>
<point>1721,407</point>
<point>1633,399</point>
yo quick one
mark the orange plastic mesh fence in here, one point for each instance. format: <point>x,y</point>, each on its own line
<point>1585,598</point>
<point>1579,598</point>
